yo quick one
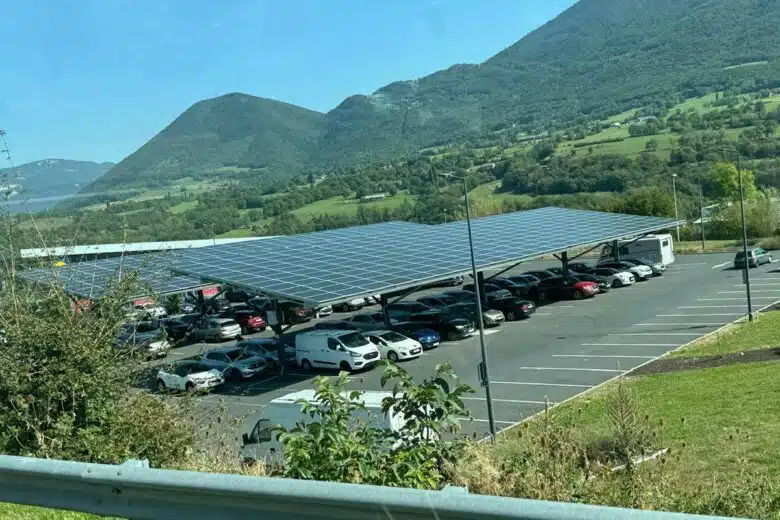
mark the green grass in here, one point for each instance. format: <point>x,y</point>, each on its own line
<point>339,206</point>
<point>617,118</point>
<point>764,332</point>
<point>17,512</point>
<point>236,233</point>
<point>712,246</point>
<point>182,207</point>
<point>45,223</point>
<point>488,191</point>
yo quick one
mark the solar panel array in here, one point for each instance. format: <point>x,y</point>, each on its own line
<point>337,265</point>
<point>91,278</point>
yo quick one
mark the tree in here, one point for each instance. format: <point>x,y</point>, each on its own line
<point>651,145</point>
<point>312,179</point>
<point>726,177</point>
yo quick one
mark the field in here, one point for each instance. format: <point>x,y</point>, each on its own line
<point>44,223</point>
<point>236,233</point>
<point>183,206</point>
<point>339,206</point>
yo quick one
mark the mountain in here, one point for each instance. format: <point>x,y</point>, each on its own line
<point>235,130</point>
<point>598,58</point>
<point>50,179</point>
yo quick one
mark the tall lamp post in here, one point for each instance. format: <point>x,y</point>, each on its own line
<point>746,274</point>
<point>484,373</point>
<point>701,211</point>
<point>676,213</point>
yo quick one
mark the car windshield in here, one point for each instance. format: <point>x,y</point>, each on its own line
<point>740,255</point>
<point>238,354</point>
<point>392,337</point>
<point>228,323</point>
<point>353,340</point>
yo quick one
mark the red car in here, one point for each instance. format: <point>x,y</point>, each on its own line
<point>250,321</point>
<point>558,288</point>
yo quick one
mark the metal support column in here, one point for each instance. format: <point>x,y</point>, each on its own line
<point>565,265</point>
<point>744,241</point>
<point>481,284</point>
<point>615,251</point>
<point>701,212</point>
<point>385,310</point>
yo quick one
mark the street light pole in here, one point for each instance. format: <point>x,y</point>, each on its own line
<point>744,240</point>
<point>676,214</point>
<point>484,373</point>
<point>701,212</point>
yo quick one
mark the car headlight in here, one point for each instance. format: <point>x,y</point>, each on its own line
<point>354,354</point>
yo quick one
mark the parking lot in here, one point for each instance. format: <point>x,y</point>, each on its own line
<point>564,349</point>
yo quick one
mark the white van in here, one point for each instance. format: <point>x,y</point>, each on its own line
<point>285,411</point>
<point>658,248</point>
<point>337,349</point>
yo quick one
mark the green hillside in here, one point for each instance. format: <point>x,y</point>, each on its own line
<point>596,59</point>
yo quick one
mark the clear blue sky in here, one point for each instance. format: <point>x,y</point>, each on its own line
<point>95,79</point>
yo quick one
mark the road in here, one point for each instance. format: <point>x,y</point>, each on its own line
<point>565,348</point>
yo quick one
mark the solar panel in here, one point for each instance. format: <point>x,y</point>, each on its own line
<point>90,279</point>
<point>337,265</point>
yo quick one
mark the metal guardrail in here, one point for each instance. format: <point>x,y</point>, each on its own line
<point>134,491</point>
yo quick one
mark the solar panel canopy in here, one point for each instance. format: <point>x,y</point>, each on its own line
<point>90,279</point>
<point>337,265</point>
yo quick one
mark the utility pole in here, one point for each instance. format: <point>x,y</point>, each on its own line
<point>744,240</point>
<point>701,212</point>
<point>676,213</point>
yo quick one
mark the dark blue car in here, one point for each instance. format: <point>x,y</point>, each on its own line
<point>428,338</point>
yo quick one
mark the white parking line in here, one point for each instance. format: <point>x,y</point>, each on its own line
<point>543,314</point>
<point>721,265</point>
<point>730,298</point>
<point>523,383</point>
<point>600,356</point>
<point>709,314</point>
<point>710,306</point>
<point>681,324</point>
<point>742,292</point>
<point>758,284</point>
<point>691,263</point>
<point>654,334</point>
<point>629,344</point>
<point>570,369</point>
<point>565,306</point>
<point>495,421</point>
<point>514,401</point>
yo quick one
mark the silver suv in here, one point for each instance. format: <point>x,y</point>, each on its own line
<point>756,257</point>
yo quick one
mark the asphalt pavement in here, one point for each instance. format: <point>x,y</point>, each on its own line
<point>564,349</point>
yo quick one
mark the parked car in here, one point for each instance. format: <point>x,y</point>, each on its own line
<point>216,329</point>
<point>427,337</point>
<point>144,338</point>
<point>352,305</point>
<point>603,284</point>
<point>452,281</point>
<point>756,257</point>
<point>558,271</point>
<point>581,267</point>
<point>490,317</point>
<point>372,299</point>
<point>337,325</point>
<point>151,310</point>
<point>615,277</point>
<point>188,376</point>
<point>541,274</point>
<point>323,311</point>
<point>372,318</point>
<point>179,327</point>
<point>657,267</point>
<point>491,290</point>
<point>513,308</point>
<point>394,345</point>
<point>640,272</point>
<point>517,288</point>
<point>527,279</point>
<point>237,295</point>
<point>404,308</point>
<point>450,328</point>
<point>235,364</point>
<point>557,288</point>
<point>437,301</point>
<point>215,305</point>
<point>249,320</point>
<point>291,313</point>
<point>268,349</point>
<point>333,349</point>
<point>461,296</point>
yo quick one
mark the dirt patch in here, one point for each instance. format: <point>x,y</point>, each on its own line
<point>679,364</point>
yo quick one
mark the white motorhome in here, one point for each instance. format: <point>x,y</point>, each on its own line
<point>658,248</point>
<point>335,349</point>
<point>285,411</point>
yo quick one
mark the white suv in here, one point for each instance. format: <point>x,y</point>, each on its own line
<point>188,376</point>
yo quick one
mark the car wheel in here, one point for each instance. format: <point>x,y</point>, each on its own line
<point>452,335</point>
<point>189,387</point>
<point>234,376</point>
<point>511,316</point>
<point>392,356</point>
<point>161,386</point>
<point>344,366</point>
<point>306,365</point>
<point>244,330</point>
<point>617,282</point>
<point>577,295</point>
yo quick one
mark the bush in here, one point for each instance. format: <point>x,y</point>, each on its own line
<point>66,393</point>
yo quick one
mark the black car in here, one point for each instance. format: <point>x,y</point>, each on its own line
<point>461,296</point>
<point>527,279</point>
<point>178,327</point>
<point>604,285</point>
<point>449,328</point>
<point>237,295</point>
<point>438,300</point>
<point>337,325</point>
<point>581,267</point>
<point>268,349</point>
<point>513,308</point>
<point>491,290</point>
<point>541,274</point>
<point>404,308</point>
<point>517,289</point>
<point>559,271</point>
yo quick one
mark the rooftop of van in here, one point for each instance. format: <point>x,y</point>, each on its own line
<point>327,333</point>
<point>371,398</point>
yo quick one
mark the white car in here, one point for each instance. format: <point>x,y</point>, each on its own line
<point>615,277</point>
<point>640,272</point>
<point>155,311</point>
<point>188,376</point>
<point>394,346</point>
<point>325,310</point>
